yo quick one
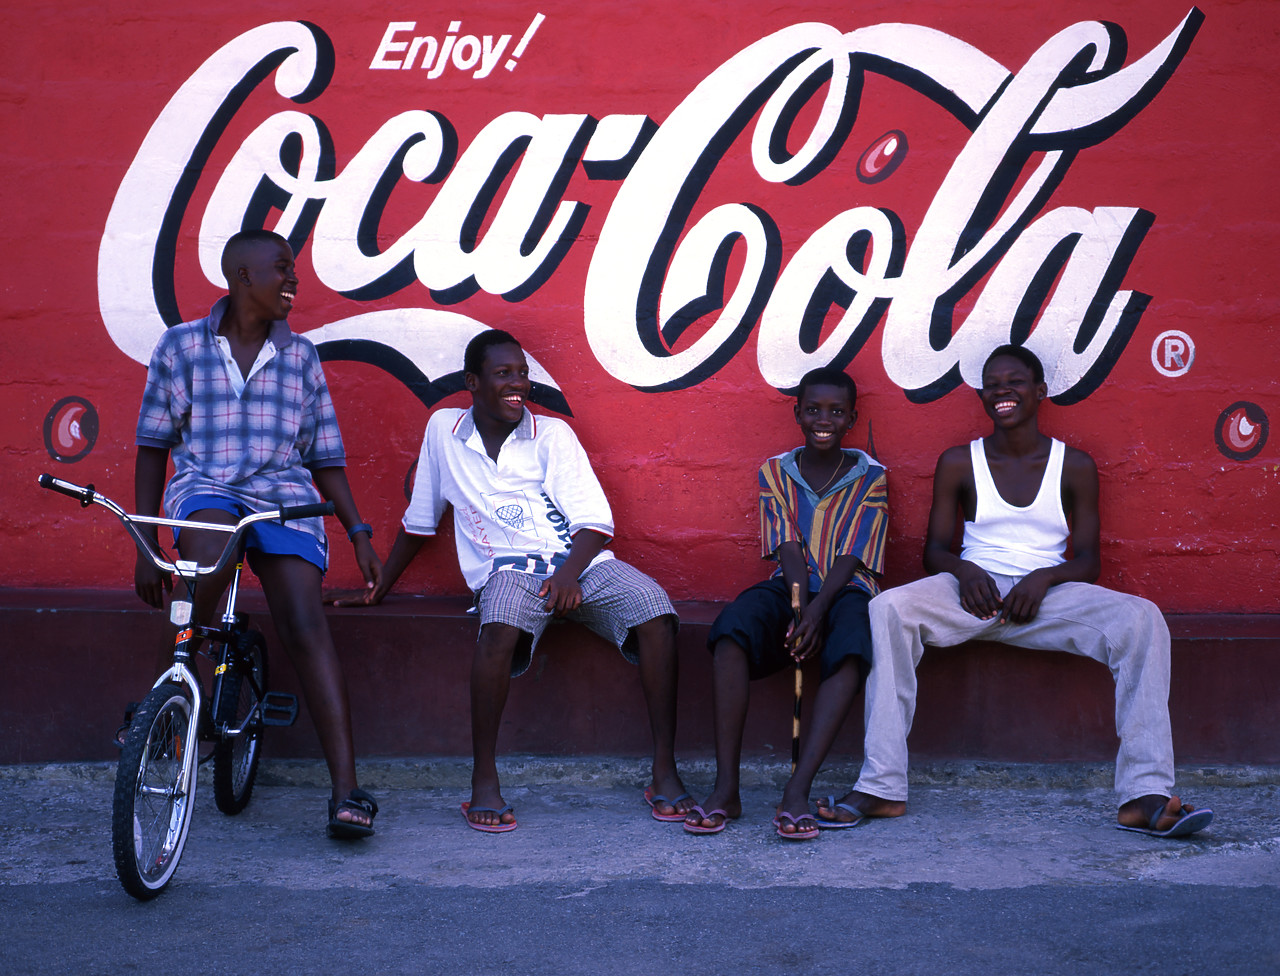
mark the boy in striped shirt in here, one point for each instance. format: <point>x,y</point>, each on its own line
<point>823,520</point>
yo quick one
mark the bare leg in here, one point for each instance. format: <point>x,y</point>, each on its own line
<point>830,708</point>
<point>731,694</point>
<point>490,682</point>
<point>204,547</point>
<point>659,675</point>
<point>292,588</point>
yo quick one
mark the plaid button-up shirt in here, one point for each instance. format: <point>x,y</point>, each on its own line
<point>256,447</point>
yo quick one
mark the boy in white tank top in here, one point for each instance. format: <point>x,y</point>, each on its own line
<point>1023,495</point>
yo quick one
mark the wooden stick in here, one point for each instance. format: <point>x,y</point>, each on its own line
<point>795,714</point>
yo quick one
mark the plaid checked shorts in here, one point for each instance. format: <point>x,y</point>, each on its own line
<point>615,598</point>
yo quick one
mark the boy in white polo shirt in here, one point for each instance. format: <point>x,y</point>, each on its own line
<point>531,522</point>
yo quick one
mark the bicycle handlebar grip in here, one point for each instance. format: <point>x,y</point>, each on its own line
<point>83,495</point>
<point>305,511</point>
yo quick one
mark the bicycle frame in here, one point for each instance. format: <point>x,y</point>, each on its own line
<point>151,814</point>
<point>180,610</point>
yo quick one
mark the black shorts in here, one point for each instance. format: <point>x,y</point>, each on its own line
<point>758,618</point>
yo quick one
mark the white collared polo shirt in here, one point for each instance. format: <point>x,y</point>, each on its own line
<point>517,513</point>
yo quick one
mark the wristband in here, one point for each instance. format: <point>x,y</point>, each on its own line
<point>362,527</point>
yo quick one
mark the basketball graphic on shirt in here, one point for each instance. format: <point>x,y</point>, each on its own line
<point>512,515</point>
<point>513,510</point>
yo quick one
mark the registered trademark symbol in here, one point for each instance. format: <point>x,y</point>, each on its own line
<point>1172,353</point>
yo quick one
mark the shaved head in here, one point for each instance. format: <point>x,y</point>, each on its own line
<point>241,246</point>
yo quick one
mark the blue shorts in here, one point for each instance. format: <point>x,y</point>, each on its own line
<point>758,618</point>
<point>271,538</point>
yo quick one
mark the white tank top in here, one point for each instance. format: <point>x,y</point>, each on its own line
<point>1009,540</point>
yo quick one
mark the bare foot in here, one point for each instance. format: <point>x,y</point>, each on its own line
<point>730,804</point>
<point>865,804</point>
<point>1138,813</point>
<point>668,798</point>
<point>487,808</point>
<point>794,803</point>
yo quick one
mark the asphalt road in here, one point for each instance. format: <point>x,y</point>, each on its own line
<point>995,870</point>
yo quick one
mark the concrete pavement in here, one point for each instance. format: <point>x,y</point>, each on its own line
<point>995,869</point>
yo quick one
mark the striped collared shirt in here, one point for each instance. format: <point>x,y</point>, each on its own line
<point>851,518</point>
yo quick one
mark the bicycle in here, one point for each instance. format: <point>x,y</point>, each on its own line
<point>156,775</point>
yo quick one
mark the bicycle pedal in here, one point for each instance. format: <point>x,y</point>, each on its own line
<point>279,708</point>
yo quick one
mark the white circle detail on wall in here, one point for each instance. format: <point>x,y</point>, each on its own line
<point>1172,353</point>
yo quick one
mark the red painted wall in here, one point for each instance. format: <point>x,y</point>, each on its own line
<point>902,184</point>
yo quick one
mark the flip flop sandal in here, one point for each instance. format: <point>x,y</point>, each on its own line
<point>357,801</point>
<point>859,818</point>
<point>653,799</point>
<point>498,828</point>
<point>800,832</point>
<point>706,815</point>
<point>1188,822</point>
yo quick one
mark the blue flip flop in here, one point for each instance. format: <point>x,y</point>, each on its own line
<point>1188,823</point>
<point>498,828</point>
<point>859,818</point>
<point>653,799</point>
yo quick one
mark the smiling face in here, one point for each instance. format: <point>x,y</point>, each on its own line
<point>499,390</point>
<point>1010,395</point>
<point>825,415</point>
<point>265,278</point>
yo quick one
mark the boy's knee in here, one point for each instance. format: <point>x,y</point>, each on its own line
<point>655,632</point>
<point>497,642</point>
<point>728,648</point>
<point>306,636</point>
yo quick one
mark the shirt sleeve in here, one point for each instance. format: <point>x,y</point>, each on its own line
<point>864,524</point>
<point>571,484</point>
<point>165,399</point>
<point>427,503</point>
<point>777,512</point>
<point>319,439</point>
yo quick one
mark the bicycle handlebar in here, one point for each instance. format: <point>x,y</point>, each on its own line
<point>84,496</point>
<point>288,512</point>
<point>87,496</point>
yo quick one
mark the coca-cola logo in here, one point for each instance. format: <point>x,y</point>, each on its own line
<point>659,311</point>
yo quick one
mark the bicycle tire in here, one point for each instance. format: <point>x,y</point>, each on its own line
<point>151,810</point>
<point>235,759</point>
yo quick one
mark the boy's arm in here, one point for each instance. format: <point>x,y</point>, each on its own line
<point>426,506</point>
<point>402,552</point>
<point>150,467</point>
<point>1080,498</point>
<point>952,478</point>
<point>805,638</point>
<point>561,588</point>
<point>333,485</point>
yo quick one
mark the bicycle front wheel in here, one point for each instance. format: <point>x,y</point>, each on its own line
<point>153,799</point>
<point>243,685</point>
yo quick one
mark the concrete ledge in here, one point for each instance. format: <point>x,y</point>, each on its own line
<point>611,772</point>
<point>76,656</point>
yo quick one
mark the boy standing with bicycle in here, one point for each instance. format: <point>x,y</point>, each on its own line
<point>241,406</point>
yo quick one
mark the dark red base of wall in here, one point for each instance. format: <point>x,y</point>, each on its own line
<point>73,658</point>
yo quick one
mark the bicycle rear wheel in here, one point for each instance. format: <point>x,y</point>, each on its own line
<point>243,685</point>
<point>151,811</point>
